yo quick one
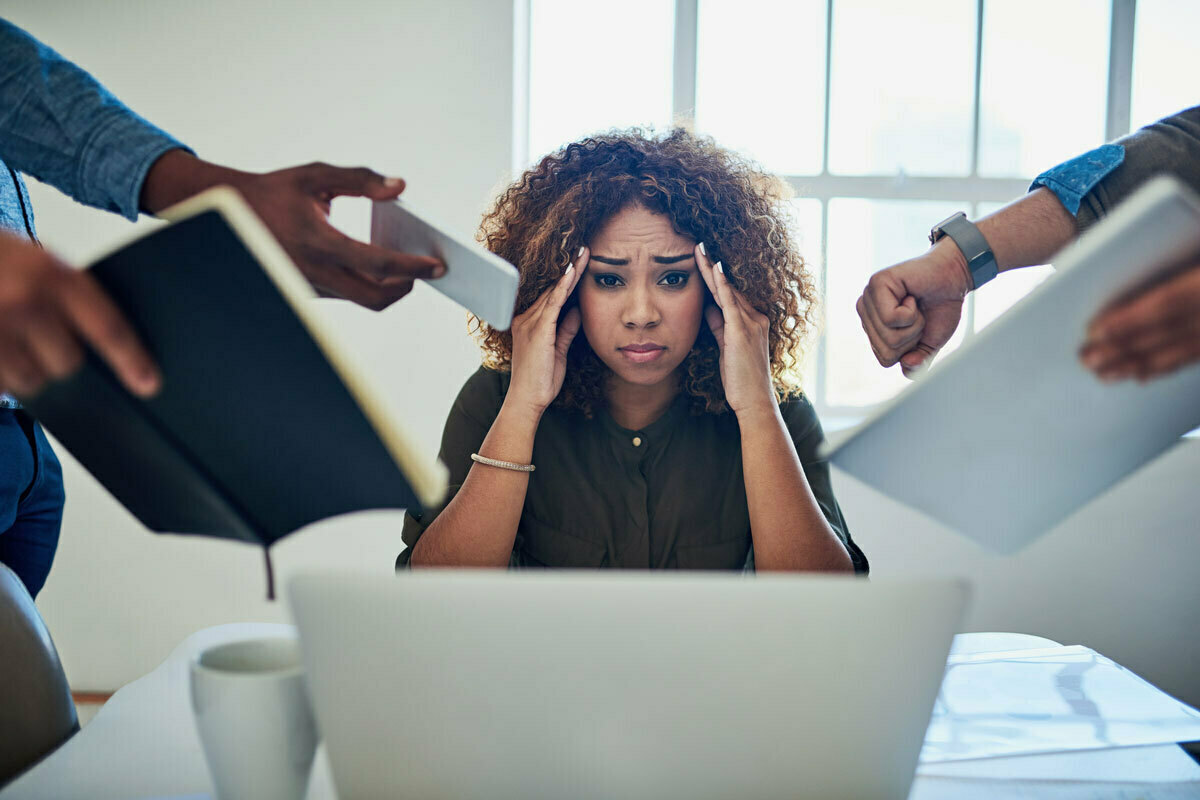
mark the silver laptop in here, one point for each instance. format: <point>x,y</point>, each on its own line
<point>482,684</point>
<point>1011,434</point>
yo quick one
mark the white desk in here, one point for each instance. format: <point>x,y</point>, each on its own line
<point>143,744</point>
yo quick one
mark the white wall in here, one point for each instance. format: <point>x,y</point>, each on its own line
<point>423,89</point>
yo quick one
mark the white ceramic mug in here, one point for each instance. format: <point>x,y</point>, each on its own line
<point>254,719</point>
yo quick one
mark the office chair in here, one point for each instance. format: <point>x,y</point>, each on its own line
<point>36,711</point>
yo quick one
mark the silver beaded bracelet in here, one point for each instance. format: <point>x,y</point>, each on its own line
<point>491,462</point>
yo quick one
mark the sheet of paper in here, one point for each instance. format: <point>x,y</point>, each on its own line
<point>1156,763</point>
<point>1049,700</point>
<point>1011,434</point>
<point>958,788</point>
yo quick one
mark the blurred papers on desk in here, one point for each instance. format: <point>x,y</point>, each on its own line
<point>1048,700</point>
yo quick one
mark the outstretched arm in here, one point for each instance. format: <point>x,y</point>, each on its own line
<point>294,203</point>
<point>62,126</point>
<point>911,309</point>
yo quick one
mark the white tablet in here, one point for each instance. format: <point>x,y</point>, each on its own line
<point>1011,434</point>
<point>479,280</point>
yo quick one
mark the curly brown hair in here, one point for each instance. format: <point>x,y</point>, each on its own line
<point>709,194</point>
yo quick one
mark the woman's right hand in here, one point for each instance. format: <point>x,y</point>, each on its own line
<point>541,336</point>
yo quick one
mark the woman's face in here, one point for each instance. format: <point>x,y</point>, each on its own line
<point>641,299</point>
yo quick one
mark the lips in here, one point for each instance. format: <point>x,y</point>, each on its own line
<point>642,352</point>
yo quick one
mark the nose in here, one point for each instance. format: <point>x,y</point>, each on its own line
<point>640,310</point>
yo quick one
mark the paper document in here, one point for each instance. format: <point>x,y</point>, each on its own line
<point>477,279</point>
<point>1049,700</point>
<point>958,788</point>
<point>1012,434</point>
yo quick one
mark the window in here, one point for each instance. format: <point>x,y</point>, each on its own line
<point>884,117</point>
<point>590,71</point>
<point>1166,59</point>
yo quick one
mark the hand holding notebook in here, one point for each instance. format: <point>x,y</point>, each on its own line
<point>262,425</point>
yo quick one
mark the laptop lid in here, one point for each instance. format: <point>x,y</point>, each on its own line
<point>621,684</point>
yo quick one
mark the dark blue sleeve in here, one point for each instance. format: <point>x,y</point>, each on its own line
<point>58,124</point>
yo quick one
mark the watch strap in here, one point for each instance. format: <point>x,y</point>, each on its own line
<point>981,262</point>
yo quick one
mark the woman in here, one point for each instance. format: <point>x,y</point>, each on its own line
<point>643,411</point>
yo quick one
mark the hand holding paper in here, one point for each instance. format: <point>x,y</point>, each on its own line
<point>1151,335</point>
<point>294,204</point>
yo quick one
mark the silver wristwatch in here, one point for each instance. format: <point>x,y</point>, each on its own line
<point>981,262</point>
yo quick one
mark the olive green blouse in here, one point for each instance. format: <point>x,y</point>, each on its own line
<point>670,495</point>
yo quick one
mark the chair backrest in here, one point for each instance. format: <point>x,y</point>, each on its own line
<point>36,711</point>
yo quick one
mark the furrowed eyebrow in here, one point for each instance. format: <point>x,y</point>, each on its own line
<point>671,259</point>
<point>621,262</point>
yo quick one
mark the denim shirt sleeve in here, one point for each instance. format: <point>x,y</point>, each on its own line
<point>1073,179</point>
<point>1093,184</point>
<point>58,124</point>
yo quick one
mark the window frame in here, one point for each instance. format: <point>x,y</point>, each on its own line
<point>825,186</point>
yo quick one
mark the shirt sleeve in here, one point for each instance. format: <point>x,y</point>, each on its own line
<point>1073,179</point>
<point>58,124</point>
<point>467,425</point>
<point>1091,185</point>
<point>801,420</point>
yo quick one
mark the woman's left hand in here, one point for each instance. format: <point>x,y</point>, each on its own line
<point>743,339</point>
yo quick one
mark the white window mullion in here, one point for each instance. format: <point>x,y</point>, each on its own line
<point>819,394</point>
<point>908,187</point>
<point>520,87</point>
<point>828,84</point>
<point>683,98</point>
<point>968,319</point>
<point>1120,69</point>
<point>977,104</point>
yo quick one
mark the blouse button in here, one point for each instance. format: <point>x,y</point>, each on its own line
<point>637,441</point>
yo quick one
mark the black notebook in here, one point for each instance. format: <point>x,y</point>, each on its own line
<point>262,426</point>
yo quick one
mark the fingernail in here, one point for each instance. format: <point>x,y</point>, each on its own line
<point>393,183</point>
<point>1092,360</point>
<point>580,253</point>
<point>149,382</point>
<point>439,270</point>
<point>569,269</point>
<point>703,252</point>
<point>720,268</point>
